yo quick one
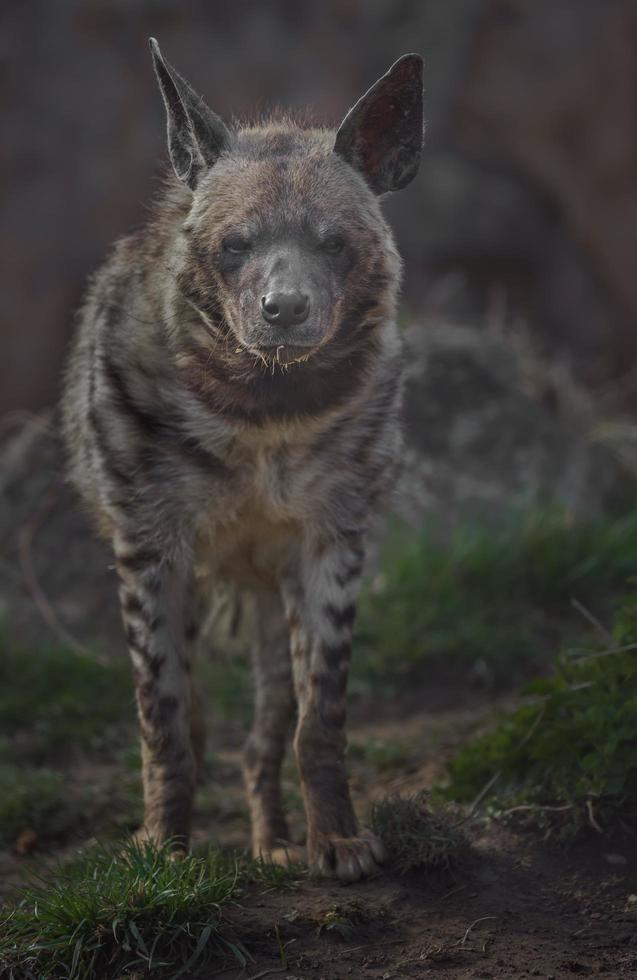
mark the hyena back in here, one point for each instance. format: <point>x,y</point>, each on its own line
<point>232,406</point>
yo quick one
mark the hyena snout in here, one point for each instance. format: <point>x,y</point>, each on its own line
<point>285,309</point>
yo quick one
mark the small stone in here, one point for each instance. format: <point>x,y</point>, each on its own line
<point>26,843</point>
<point>613,858</point>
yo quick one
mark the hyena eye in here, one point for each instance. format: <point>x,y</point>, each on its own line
<point>236,244</point>
<point>333,244</point>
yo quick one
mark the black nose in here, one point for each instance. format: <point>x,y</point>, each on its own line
<point>285,309</point>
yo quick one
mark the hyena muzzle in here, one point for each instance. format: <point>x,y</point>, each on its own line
<point>232,409</point>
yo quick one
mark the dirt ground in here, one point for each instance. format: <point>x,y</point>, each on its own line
<point>517,910</point>
<point>517,906</point>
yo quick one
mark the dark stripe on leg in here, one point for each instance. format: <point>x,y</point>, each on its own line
<point>340,618</point>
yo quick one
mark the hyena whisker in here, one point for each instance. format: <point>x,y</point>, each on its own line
<point>195,446</point>
<point>206,319</point>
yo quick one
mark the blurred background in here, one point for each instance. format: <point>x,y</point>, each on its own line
<point>526,200</point>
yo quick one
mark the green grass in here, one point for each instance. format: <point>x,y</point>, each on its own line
<point>417,834</point>
<point>111,916</point>
<point>57,805</point>
<point>131,913</point>
<point>568,756</point>
<point>54,702</point>
<point>491,601</point>
<point>59,711</point>
<point>34,800</point>
<point>381,754</point>
<point>342,920</point>
<point>270,875</point>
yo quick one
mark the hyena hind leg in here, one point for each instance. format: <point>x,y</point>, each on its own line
<point>274,712</point>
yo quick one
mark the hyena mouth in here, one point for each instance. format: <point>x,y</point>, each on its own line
<point>283,354</point>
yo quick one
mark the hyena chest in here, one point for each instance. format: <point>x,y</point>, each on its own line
<point>257,532</point>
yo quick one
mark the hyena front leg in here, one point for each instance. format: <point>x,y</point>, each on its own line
<point>321,611</point>
<point>273,715</point>
<point>155,607</point>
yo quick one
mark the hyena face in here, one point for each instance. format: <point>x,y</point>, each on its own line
<point>285,241</point>
<point>282,263</point>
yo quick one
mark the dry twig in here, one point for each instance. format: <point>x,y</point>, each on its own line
<point>593,620</point>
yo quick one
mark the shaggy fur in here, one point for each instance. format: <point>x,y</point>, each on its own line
<point>205,440</point>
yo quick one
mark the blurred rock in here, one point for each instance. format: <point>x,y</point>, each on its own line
<point>549,92</point>
<point>57,584</point>
<point>481,439</point>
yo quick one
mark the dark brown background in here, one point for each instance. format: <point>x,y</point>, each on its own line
<point>526,205</point>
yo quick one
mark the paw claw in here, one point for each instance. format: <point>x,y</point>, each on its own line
<point>347,858</point>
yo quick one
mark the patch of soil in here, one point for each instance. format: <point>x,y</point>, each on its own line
<point>517,907</point>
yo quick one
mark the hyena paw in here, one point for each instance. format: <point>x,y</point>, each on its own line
<point>347,858</point>
<point>283,852</point>
<point>178,847</point>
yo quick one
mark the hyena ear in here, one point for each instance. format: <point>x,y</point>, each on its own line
<point>381,136</point>
<point>196,135</point>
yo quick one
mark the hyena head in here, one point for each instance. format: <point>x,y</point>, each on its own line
<point>284,246</point>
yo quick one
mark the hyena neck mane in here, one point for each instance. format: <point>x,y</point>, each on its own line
<point>242,387</point>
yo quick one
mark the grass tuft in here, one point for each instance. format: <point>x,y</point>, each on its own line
<point>271,875</point>
<point>122,915</point>
<point>567,757</point>
<point>416,835</point>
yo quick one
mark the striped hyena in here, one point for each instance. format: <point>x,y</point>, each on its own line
<point>232,403</point>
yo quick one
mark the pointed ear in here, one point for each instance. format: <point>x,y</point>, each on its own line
<point>381,136</point>
<point>196,135</point>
